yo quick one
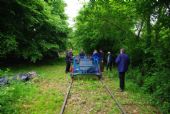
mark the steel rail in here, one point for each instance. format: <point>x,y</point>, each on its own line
<point>66,97</point>
<point>105,86</point>
<point>112,96</point>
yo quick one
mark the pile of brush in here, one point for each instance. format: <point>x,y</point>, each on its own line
<point>22,76</point>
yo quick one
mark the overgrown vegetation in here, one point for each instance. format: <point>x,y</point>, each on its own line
<point>13,96</point>
<point>32,29</point>
<point>142,28</point>
<point>45,93</point>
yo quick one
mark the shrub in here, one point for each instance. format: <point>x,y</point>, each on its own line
<point>14,95</point>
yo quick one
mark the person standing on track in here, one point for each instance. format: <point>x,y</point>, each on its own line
<point>123,62</point>
<point>109,61</point>
<point>68,59</point>
<point>101,54</point>
<point>95,55</point>
<point>82,54</point>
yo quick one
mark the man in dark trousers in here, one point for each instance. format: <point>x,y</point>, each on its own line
<point>123,62</point>
<point>101,54</point>
<point>109,61</point>
<point>69,59</point>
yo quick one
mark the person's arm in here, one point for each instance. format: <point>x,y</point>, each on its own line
<point>117,59</point>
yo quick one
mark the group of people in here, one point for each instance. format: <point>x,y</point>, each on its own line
<point>122,61</point>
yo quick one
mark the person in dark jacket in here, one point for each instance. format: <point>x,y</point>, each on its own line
<point>68,59</point>
<point>82,54</point>
<point>101,54</point>
<point>109,61</point>
<point>95,57</point>
<point>123,62</point>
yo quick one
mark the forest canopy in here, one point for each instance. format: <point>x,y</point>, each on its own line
<point>32,29</point>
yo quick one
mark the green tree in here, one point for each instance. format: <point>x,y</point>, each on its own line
<point>104,25</point>
<point>32,29</point>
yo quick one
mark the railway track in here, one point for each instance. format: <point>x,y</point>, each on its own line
<point>66,97</point>
<point>104,86</point>
<point>112,96</point>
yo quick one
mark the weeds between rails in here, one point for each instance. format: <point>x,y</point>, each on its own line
<point>106,88</point>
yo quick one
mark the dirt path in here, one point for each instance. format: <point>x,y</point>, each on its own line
<point>89,97</point>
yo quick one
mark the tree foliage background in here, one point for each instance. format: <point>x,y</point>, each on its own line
<point>32,29</point>
<point>140,26</point>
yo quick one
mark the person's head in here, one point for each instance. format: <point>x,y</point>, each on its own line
<point>71,49</point>
<point>82,50</point>
<point>122,50</point>
<point>95,51</point>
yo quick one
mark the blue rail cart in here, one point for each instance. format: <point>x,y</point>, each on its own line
<point>85,65</point>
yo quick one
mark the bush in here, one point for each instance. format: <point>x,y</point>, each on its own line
<point>136,76</point>
<point>14,95</point>
<point>4,72</point>
<point>158,86</point>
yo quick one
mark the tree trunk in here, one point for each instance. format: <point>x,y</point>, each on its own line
<point>148,28</point>
<point>158,27</point>
<point>139,30</point>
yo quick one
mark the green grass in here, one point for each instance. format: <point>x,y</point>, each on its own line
<point>133,99</point>
<point>45,93</point>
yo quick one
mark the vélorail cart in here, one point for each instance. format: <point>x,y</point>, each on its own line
<point>85,65</point>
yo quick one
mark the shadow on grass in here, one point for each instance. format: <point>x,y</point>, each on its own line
<point>86,77</point>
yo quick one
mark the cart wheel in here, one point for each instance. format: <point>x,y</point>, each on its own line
<point>100,76</point>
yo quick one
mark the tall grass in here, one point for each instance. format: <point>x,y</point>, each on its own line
<point>15,94</point>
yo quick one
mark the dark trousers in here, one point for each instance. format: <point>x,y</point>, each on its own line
<point>109,66</point>
<point>122,80</point>
<point>101,66</point>
<point>68,64</point>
